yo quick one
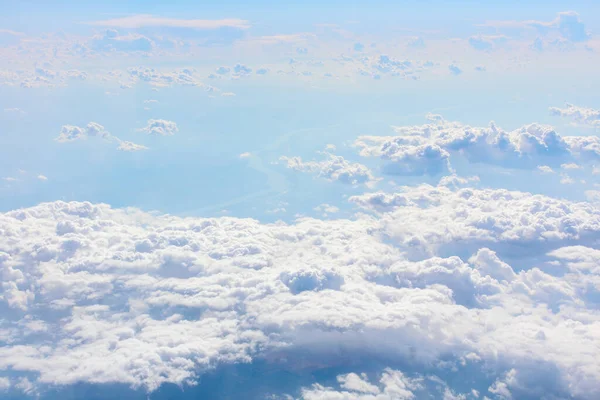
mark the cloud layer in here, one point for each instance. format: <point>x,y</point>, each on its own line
<point>99,295</point>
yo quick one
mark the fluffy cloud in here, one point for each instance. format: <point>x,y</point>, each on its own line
<point>427,149</point>
<point>98,295</point>
<point>70,133</point>
<point>334,168</point>
<point>581,115</point>
<point>160,127</point>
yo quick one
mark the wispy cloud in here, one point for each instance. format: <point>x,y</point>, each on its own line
<point>145,20</point>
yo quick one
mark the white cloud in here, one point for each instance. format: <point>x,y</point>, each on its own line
<point>160,127</point>
<point>144,21</point>
<point>101,295</point>
<point>42,177</point>
<point>544,169</point>
<point>15,110</point>
<point>487,42</point>
<point>429,148</point>
<point>70,133</point>
<point>130,146</point>
<point>566,25</point>
<point>334,168</point>
<point>245,155</point>
<point>581,115</point>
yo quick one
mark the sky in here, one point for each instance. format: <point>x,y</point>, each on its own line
<point>310,200</point>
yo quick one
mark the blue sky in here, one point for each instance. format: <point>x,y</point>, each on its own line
<point>319,200</point>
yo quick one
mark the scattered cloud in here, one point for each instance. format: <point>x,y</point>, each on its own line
<point>580,115</point>
<point>160,127</point>
<point>334,168</point>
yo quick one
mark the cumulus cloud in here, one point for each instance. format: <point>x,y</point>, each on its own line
<point>580,115</point>
<point>71,133</point>
<point>98,295</point>
<point>334,168</point>
<point>428,149</point>
<point>160,127</point>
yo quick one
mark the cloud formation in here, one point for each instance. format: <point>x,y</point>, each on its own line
<point>428,149</point>
<point>93,294</point>
<point>160,127</point>
<point>71,133</point>
<point>334,168</point>
<point>580,115</point>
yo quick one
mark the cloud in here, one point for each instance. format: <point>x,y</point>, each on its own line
<point>96,295</point>
<point>71,133</point>
<point>113,41</point>
<point>487,42</point>
<point>145,21</point>
<point>453,221</point>
<point>429,148</point>
<point>156,78</point>
<point>245,155</point>
<point>160,127</point>
<point>129,146</point>
<point>566,25</point>
<point>581,115</point>
<point>42,177</point>
<point>334,168</point>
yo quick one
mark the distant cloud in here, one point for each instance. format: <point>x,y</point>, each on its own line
<point>245,155</point>
<point>334,168</point>
<point>129,146</point>
<point>145,20</point>
<point>486,43</point>
<point>42,177</point>
<point>71,133</point>
<point>581,115</point>
<point>567,25</point>
<point>429,148</point>
<point>160,127</point>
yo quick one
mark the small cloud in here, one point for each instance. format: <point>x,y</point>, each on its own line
<point>42,177</point>
<point>70,133</point>
<point>150,101</point>
<point>570,166</point>
<point>228,94</point>
<point>15,111</point>
<point>245,155</point>
<point>130,146</point>
<point>160,127</point>
<point>9,179</point>
<point>544,169</point>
